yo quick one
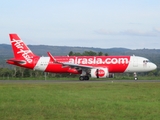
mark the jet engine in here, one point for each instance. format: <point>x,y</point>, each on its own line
<point>99,73</point>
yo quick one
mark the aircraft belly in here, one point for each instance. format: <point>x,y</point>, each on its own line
<point>118,68</point>
<point>56,68</point>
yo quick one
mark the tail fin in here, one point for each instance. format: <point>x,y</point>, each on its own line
<point>20,49</point>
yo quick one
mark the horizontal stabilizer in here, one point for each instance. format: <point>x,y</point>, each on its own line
<point>16,61</point>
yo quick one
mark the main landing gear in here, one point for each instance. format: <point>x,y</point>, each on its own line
<point>84,75</point>
<point>81,78</point>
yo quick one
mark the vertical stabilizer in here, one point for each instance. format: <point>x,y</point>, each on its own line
<point>20,49</point>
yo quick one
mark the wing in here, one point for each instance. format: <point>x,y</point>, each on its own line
<point>77,66</point>
<point>72,65</point>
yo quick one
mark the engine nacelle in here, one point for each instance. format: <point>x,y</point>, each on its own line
<point>99,73</point>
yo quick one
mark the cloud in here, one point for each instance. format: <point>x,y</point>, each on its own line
<point>137,33</point>
<point>157,29</point>
<point>105,32</point>
<point>153,33</point>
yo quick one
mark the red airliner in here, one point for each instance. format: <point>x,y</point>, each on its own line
<point>86,66</point>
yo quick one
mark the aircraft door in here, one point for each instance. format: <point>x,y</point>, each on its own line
<point>135,62</point>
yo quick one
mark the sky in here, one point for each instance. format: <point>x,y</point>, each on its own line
<point>133,24</point>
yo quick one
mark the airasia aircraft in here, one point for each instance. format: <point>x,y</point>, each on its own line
<point>86,66</point>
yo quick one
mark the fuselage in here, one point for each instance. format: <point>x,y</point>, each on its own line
<point>115,64</point>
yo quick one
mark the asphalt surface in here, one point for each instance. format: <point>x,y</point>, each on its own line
<point>74,81</point>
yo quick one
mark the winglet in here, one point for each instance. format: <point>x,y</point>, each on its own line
<point>52,58</point>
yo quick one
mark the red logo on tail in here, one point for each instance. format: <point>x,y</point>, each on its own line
<point>20,49</point>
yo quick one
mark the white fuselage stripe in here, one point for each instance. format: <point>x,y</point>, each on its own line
<point>42,63</point>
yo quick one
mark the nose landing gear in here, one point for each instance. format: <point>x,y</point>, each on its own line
<point>135,76</point>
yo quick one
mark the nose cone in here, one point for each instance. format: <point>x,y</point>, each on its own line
<point>153,66</point>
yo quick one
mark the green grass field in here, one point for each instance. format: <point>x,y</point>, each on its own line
<point>80,101</point>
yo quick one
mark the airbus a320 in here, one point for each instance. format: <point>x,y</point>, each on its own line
<point>86,66</point>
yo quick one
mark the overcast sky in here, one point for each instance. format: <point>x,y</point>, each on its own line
<point>133,24</point>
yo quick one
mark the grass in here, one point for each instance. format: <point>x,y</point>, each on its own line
<point>79,101</point>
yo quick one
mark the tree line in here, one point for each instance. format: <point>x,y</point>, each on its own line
<point>87,53</point>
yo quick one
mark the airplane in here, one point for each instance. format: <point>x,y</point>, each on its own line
<point>87,66</point>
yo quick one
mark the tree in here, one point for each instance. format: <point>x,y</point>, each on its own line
<point>70,53</point>
<point>27,73</point>
<point>100,54</point>
<point>85,53</point>
<point>89,53</point>
<point>5,72</point>
<point>106,54</point>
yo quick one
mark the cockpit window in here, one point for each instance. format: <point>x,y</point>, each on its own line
<point>146,61</point>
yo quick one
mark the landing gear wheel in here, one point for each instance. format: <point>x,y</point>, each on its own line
<point>86,78</point>
<point>136,78</point>
<point>81,78</point>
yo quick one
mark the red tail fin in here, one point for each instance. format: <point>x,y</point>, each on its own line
<point>20,49</point>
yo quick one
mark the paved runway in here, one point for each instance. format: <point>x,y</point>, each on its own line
<point>74,81</point>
